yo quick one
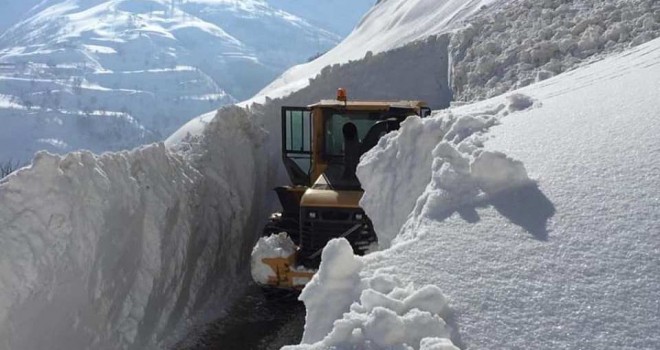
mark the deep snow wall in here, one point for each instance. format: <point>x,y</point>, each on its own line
<point>416,71</point>
<point>518,43</point>
<point>124,250</point>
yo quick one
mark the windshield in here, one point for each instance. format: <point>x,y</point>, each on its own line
<point>334,122</point>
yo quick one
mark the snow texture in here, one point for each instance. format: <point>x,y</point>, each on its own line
<point>274,246</point>
<point>127,250</point>
<point>388,25</point>
<point>568,260</point>
<point>460,172</point>
<point>348,311</point>
<point>522,42</point>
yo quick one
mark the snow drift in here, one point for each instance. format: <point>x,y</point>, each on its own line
<point>567,259</point>
<point>124,250</point>
<point>346,310</point>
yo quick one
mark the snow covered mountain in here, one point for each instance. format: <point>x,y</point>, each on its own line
<point>338,16</point>
<point>106,75</point>
<point>496,45</point>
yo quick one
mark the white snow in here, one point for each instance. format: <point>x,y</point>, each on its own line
<point>128,250</point>
<point>523,42</point>
<point>388,25</point>
<point>346,310</point>
<point>526,221</point>
<point>162,66</point>
<point>274,246</point>
<point>568,259</point>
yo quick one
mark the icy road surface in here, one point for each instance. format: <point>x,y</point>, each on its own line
<point>254,322</point>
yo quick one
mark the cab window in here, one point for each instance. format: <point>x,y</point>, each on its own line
<point>334,122</point>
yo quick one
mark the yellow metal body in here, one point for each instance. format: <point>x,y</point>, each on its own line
<point>286,275</point>
<point>319,164</point>
<point>318,194</point>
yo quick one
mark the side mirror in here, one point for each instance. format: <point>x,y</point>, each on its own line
<point>424,112</point>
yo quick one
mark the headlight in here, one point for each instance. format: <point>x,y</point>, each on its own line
<point>312,215</point>
<point>359,216</point>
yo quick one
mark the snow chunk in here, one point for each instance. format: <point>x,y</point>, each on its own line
<point>332,290</point>
<point>437,344</point>
<point>495,172</point>
<point>519,102</point>
<point>274,246</point>
<point>348,311</point>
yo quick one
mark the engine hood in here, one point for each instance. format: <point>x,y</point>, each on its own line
<point>331,199</point>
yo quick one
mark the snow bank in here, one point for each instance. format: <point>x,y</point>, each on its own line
<point>124,250</point>
<point>435,165</point>
<point>522,42</point>
<point>273,246</point>
<point>346,310</point>
<point>569,260</point>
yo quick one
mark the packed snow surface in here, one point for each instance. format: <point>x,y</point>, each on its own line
<point>127,250</point>
<point>537,214</point>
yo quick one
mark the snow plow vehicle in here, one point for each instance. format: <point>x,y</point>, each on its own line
<point>321,148</point>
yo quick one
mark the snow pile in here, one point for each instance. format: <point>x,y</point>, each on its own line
<point>455,172</point>
<point>526,41</point>
<point>345,310</point>
<point>125,250</point>
<point>273,246</point>
<point>569,259</point>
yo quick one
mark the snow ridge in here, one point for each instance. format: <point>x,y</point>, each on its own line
<point>459,171</point>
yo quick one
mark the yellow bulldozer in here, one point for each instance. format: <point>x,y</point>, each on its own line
<point>321,148</point>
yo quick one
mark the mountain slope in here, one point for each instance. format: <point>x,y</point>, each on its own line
<point>388,25</point>
<point>338,16</point>
<point>79,67</point>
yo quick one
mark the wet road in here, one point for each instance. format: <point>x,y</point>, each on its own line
<point>256,322</point>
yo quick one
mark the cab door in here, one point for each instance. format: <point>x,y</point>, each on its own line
<point>297,143</point>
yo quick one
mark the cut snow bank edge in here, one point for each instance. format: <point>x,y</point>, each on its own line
<point>457,171</point>
<point>120,251</point>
